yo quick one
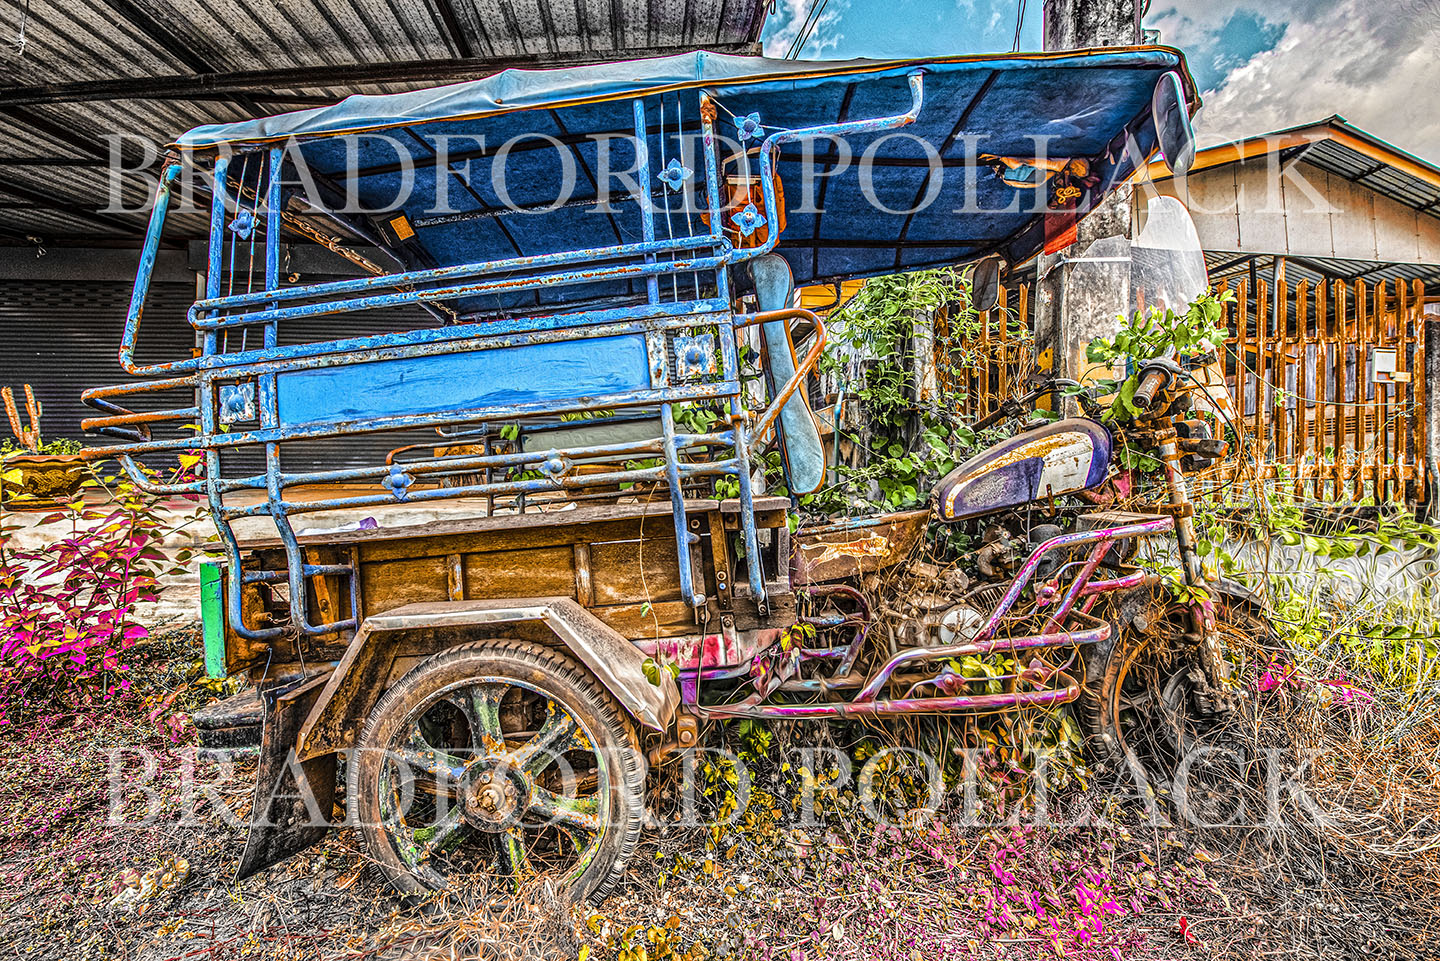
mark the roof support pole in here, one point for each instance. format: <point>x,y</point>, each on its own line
<point>1063,329</point>
<point>1431,494</point>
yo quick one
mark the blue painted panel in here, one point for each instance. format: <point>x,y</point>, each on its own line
<point>557,372</point>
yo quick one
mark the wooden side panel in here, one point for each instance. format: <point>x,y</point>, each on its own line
<point>536,572</point>
<point>622,572</point>
<point>632,587</point>
<point>661,619</point>
<point>386,585</point>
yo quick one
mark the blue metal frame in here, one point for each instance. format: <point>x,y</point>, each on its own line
<point>264,394</point>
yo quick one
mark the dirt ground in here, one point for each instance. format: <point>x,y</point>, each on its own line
<point>85,874</point>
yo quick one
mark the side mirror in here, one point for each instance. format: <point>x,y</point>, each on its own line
<point>985,283</point>
<point>1172,124</point>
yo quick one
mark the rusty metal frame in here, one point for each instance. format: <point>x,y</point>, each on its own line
<point>1064,627</point>
<point>236,388</point>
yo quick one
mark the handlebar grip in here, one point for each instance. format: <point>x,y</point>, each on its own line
<point>1150,384</point>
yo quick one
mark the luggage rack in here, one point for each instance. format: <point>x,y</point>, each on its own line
<point>676,346</point>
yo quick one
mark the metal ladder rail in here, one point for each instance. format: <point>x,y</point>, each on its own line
<point>671,455</point>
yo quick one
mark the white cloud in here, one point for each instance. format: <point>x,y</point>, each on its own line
<point>1375,66</point>
<point>792,15</point>
<point>1193,24</point>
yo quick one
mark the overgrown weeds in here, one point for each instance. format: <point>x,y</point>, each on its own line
<point>802,870</point>
<point>68,606</point>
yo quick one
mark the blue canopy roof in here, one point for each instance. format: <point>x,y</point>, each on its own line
<point>847,222</point>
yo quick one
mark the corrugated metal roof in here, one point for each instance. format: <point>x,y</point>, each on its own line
<point>1229,267</point>
<point>1379,176</point>
<point>90,69</point>
<point>1339,147</point>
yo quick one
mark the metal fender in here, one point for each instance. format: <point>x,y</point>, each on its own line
<point>334,722</point>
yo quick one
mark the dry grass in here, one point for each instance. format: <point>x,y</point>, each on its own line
<point>1348,870</point>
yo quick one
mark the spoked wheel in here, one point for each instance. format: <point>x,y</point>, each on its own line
<point>501,760</point>
<point>1153,712</point>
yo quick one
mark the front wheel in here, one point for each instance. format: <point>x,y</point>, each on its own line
<point>499,760</point>
<point>1150,710</point>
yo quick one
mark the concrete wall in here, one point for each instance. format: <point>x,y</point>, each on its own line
<point>1375,579</point>
<point>1301,210</point>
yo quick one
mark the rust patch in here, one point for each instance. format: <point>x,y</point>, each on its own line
<point>1036,448</point>
<point>872,545</point>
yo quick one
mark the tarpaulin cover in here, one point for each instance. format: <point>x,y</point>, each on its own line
<point>924,199</point>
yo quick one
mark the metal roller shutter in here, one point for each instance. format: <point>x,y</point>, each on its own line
<point>61,337</point>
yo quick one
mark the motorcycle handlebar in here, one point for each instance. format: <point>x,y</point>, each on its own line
<point>1151,383</point>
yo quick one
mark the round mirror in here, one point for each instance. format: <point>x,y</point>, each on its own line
<point>985,283</point>
<point>1172,124</point>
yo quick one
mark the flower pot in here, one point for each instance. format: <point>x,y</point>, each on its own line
<point>40,481</point>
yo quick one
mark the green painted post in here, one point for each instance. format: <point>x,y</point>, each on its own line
<point>212,616</point>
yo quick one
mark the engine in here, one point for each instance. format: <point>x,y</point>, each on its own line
<point>937,606</point>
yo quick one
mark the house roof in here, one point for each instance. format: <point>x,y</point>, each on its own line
<point>88,69</point>
<point>1339,147</point>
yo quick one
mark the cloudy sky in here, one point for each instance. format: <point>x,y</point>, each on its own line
<point>1260,65</point>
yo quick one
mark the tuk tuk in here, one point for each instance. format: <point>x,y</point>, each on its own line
<point>567,552</point>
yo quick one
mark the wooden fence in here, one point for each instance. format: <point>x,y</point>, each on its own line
<point>987,365</point>
<point>1309,386</point>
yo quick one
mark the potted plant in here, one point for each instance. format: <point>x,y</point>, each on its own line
<point>35,474</point>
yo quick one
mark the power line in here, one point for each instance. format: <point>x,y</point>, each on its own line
<point>1019,23</point>
<point>812,20</point>
<point>794,41</point>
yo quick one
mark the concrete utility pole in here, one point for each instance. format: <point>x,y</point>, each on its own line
<point>1071,24</point>
<point>1062,330</point>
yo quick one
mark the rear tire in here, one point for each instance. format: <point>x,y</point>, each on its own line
<point>498,760</point>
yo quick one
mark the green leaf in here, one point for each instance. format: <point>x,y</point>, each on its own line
<point>1127,395</point>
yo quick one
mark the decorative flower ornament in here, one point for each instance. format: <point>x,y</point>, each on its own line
<point>674,175</point>
<point>748,219</point>
<point>749,127</point>
<point>244,223</point>
<point>555,466</point>
<point>398,481</point>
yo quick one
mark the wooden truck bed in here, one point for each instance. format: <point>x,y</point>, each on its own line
<point>618,560</point>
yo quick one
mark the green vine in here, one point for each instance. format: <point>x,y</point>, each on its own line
<point>912,433</point>
<point>1158,333</point>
